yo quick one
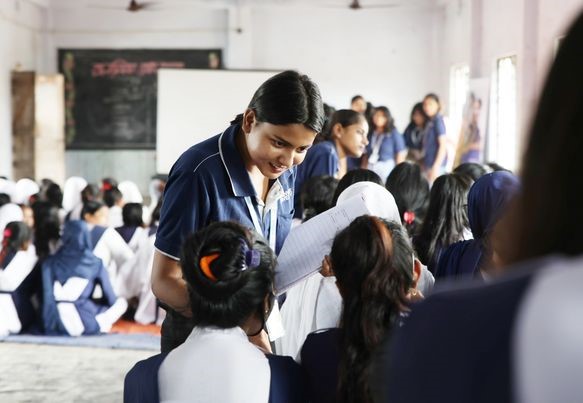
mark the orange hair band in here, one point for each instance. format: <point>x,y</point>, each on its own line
<point>205,262</point>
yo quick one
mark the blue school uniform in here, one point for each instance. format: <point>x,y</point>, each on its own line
<point>462,343</point>
<point>209,183</point>
<point>286,382</point>
<point>487,199</point>
<point>75,259</point>
<point>320,358</point>
<point>20,284</point>
<point>321,159</point>
<point>434,130</point>
<point>381,150</point>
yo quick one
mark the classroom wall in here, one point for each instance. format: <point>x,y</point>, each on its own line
<point>478,32</point>
<point>22,44</point>
<point>111,28</point>
<point>392,56</point>
<point>387,55</point>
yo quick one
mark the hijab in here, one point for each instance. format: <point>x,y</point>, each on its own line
<point>487,200</point>
<point>73,259</point>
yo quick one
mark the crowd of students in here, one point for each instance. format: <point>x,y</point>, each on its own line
<point>70,265</point>
<point>456,287</point>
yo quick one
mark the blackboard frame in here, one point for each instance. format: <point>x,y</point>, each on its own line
<point>111,94</point>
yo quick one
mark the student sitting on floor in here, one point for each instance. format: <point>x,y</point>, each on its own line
<point>69,278</point>
<point>229,275</point>
<point>132,231</point>
<point>107,243</point>
<point>18,279</point>
<point>374,266</point>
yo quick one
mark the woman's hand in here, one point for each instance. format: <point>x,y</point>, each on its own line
<point>326,269</point>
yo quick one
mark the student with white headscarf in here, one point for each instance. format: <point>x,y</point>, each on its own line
<point>72,202</point>
<point>24,189</point>
<point>316,303</point>
<point>7,187</point>
<point>130,193</point>
<point>19,281</point>
<point>8,213</point>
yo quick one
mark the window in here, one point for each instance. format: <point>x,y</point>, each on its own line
<point>458,91</point>
<point>502,144</point>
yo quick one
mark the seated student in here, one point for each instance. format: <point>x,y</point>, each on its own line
<point>517,339</point>
<point>107,243</point>
<point>355,176</point>
<point>113,198</point>
<point>8,213</point>
<point>373,262</point>
<point>136,274</point>
<point>487,200</point>
<point>72,197</point>
<point>411,191</point>
<point>130,193</point>
<point>69,279</point>
<point>132,230</point>
<point>315,303</point>
<point>408,185</point>
<point>317,195</point>
<point>347,138</point>
<point>19,281</point>
<point>229,274</point>
<point>473,170</point>
<point>90,192</point>
<point>446,221</point>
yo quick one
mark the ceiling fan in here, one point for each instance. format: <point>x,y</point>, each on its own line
<point>133,6</point>
<point>357,5</point>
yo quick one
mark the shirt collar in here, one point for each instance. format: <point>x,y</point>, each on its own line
<point>233,163</point>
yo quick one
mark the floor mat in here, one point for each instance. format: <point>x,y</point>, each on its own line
<point>125,335</point>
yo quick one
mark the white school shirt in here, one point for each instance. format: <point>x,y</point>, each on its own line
<point>215,365</point>
<point>114,252</point>
<point>11,278</point>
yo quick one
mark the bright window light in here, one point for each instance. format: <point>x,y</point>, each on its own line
<point>459,81</point>
<point>502,144</point>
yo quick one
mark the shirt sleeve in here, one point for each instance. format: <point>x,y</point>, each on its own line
<point>120,251</point>
<point>325,164</point>
<point>185,209</point>
<point>439,127</point>
<point>399,140</point>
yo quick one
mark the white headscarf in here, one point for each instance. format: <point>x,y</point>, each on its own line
<point>315,303</point>
<point>8,187</point>
<point>23,190</point>
<point>379,200</point>
<point>130,192</point>
<point>8,213</point>
<point>72,192</point>
<point>155,192</point>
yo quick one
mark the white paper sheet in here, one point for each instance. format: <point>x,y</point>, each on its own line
<point>306,245</point>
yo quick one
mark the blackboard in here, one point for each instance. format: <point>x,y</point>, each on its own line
<point>110,95</point>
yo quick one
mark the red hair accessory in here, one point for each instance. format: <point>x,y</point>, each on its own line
<point>7,233</point>
<point>205,262</point>
<point>409,217</point>
<point>106,186</point>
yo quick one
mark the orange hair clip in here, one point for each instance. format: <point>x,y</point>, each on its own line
<point>205,262</point>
